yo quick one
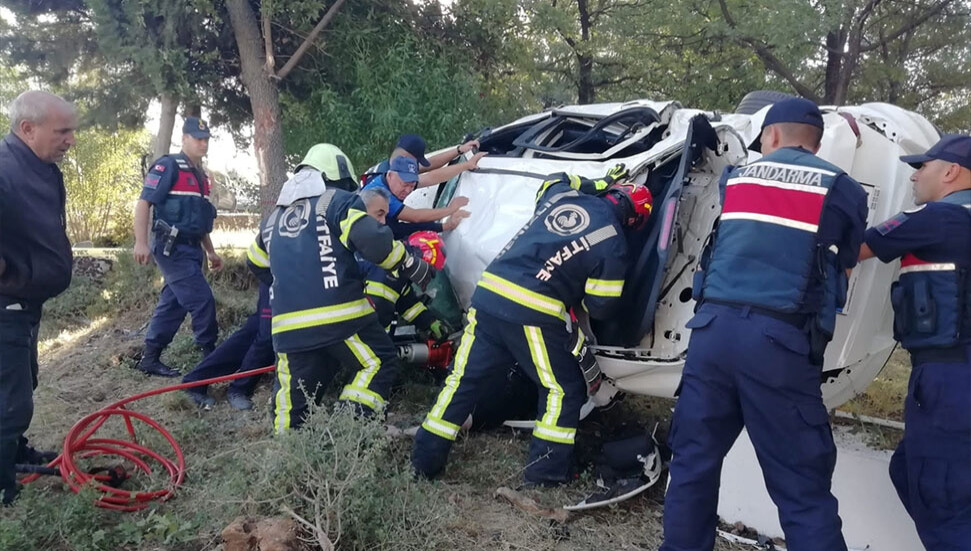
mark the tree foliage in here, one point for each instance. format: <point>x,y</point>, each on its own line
<point>102,175</point>
<point>424,91</point>
<point>360,72</point>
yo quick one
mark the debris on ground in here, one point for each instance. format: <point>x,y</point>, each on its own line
<point>261,534</point>
<point>530,506</point>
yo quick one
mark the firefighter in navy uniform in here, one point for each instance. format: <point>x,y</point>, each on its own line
<point>931,468</point>
<point>178,189</point>
<point>392,295</point>
<point>320,314</point>
<point>572,254</point>
<point>768,291</point>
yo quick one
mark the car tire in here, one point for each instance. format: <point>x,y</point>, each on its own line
<point>754,101</point>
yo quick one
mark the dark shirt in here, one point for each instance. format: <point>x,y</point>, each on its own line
<point>935,232</point>
<point>35,254</point>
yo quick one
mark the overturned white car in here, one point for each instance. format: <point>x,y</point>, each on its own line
<point>680,157</point>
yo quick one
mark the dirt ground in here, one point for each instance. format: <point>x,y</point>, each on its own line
<point>87,365</point>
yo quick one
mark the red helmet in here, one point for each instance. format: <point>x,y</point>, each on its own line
<point>636,200</point>
<point>431,246</point>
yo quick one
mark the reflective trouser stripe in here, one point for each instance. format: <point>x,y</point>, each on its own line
<point>359,389</point>
<point>546,428</point>
<point>413,312</point>
<point>283,403</point>
<point>441,427</point>
<point>363,396</point>
<point>434,422</point>
<point>560,435</point>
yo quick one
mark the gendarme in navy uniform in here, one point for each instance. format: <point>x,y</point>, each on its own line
<point>770,286</point>
<point>35,261</point>
<point>176,190</point>
<point>572,254</point>
<point>931,468</point>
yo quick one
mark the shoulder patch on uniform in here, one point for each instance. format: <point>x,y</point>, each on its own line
<point>892,224</point>
<point>915,209</point>
<point>159,167</point>
<point>151,181</point>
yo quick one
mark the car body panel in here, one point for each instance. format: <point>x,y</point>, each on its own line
<point>646,354</point>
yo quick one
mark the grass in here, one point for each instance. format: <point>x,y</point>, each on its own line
<point>344,478</point>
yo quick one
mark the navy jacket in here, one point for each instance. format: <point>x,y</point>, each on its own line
<point>35,254</point>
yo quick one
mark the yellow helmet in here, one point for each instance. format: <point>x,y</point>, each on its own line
<point>330,161</point>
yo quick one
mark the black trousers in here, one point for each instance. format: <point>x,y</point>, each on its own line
<point>19,322</point>
<point>303,375</point>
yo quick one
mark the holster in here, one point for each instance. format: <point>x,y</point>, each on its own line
<point>168,234</point>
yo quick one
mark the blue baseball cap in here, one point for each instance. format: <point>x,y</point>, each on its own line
<point>797,110</point>
<point>406,168</point>
<point>953,148</point>
<point>195,127</point>
<point>414,145</point>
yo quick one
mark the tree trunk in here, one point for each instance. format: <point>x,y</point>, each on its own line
<point>586,93</point>
<point>163,141</point>
<point>835,42</point>
<point>264,100</point>
<point>193,110</point>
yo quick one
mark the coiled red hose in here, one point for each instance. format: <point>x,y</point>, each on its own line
<point>79,444</point>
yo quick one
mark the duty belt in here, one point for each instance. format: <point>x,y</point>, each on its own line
<point>953,354</point>
<point>799,321</point>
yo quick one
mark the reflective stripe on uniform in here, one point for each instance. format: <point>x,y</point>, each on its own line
<point>381,290</point>
<point>523,296</point>
<point>363,396</point>
<point>302,319</point>
<point>581,339</point>
<point>552,433</point>
<point>604,287</point>
<point>792,205</point>
<point>930,267</point>
<point>258,256</point>
<point>412,313</point>
<point>351,218</point>
<point>434,422</point>
<point>369,362</point>
<point>441,427</point>
<point>777,220</point>
<point>283,403</point>
<point>395,257</point>
<point>546,427</point>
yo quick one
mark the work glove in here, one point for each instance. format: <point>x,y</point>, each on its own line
<point>417,270</point>
<point>617,173</point>
<point>439,330</point>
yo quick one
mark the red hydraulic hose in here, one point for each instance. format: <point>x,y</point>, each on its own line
<point>79,444</point>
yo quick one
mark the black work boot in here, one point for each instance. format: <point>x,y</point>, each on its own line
<point>152,364</point>
<point>207,349</point>
<point>28,455</point>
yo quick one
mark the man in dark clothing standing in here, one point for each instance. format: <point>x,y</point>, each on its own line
<point>35,259</point>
